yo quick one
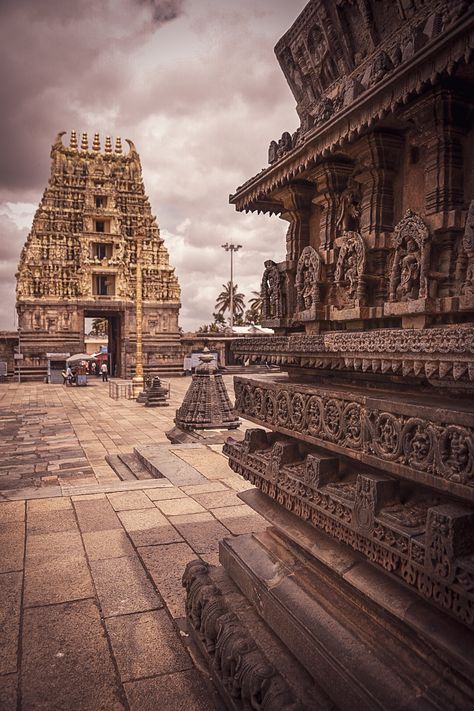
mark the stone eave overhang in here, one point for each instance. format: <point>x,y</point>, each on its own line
<point>438,57</point>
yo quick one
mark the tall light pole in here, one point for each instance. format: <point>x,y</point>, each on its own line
<point>231,248</point>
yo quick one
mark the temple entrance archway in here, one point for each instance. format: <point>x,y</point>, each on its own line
<point>112,329</point>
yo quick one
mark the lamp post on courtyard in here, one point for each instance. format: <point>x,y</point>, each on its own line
<point>137,380</point>
<point>231,248</point>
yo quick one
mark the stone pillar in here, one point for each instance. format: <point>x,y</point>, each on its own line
<point>331,180</point>
<point>296,202</point>
<point>377,155</point>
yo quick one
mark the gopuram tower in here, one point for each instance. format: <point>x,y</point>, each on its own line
<point>360,593</point>
<point>80,261</point>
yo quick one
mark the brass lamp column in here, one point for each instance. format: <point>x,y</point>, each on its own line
<point>137,379</point>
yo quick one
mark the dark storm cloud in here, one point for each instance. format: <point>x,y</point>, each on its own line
<point>194,83</point>
<point>164,10</point>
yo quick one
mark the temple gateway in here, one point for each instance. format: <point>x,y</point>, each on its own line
<point>93,222</point>
<point>360,595</point>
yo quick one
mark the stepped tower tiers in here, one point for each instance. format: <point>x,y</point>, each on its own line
<point>361,592</point>
<point>80,261</point>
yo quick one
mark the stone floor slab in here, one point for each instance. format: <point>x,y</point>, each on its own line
<point>8,692</point>
<point>148,527</point>
<point>10,599</point>
<point>175,507</point>
<point>123,586</point>
<point>12,511</point>
<point>59,581</point>
<point>58,503</point>
<point>146,644</point>
<point>182,691</point>
<point>50,521</point>
<point>166,564</point>
<point>100,545</point>
<point>66,661</point>
<point>129,500</point>
<point>217,499</point>
<point>201,531</point>
<point>12,546</point>
<point>240,519</point>
<point>97,515</point>
<point>164,494</point>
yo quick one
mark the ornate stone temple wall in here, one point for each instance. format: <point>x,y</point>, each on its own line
<point>80,260</point>
<point>364,583</point>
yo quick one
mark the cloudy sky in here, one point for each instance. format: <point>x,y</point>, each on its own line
<point>194,83</point>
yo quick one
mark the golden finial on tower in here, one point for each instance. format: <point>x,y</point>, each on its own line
<point>118,145</point>
<point>96,143</point>
<point>108,145</point>
<point>84,142</point>
<point>73,141</point>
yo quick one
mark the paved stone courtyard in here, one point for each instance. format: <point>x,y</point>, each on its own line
<point>91,603</point>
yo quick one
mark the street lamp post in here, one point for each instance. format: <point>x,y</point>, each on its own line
<point>231,248</point>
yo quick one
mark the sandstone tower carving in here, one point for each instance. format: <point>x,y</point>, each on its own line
<point>80,261</point>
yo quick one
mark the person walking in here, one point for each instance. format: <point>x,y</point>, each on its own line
<point>104,372</point>
<point>93,367</point>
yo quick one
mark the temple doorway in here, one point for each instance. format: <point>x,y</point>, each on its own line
<point>102,336</point>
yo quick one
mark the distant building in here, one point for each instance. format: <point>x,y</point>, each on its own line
<point>79,261</point>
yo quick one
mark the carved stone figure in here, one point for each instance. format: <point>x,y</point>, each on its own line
<point>409,271</point>
<point>308,275</point>
<point>468,250</point>
<point>350,266</point>
<point>271,291</point>
<point>348,215</point>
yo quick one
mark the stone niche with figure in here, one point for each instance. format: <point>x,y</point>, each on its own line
<point>360,593</point>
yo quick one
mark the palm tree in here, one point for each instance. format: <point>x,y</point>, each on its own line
<point>254,313</point>
<point>223,300</point>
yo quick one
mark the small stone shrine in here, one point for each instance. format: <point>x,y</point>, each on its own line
<point>206,405</point>
<point>156,395</point>
<point>360,594</point>
<point>80,260</point>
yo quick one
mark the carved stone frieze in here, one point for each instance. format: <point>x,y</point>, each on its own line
<point>370,429</point>
<point>427,543</point>
<point>435,353</point>
<point>234,658</point>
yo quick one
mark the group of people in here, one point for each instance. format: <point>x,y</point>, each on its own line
<point>69,375</point>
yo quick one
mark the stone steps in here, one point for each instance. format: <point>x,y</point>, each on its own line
<point>128,467</point>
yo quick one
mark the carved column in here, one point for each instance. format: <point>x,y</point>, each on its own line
<point>377,154</point>
<point>331,179</point>
<point>296,201</point>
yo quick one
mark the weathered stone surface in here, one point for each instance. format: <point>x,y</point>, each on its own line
<point>170,692</point>
<point>130,500</point>
<point>201,531</point>
<point>175,507</point>
<point>107,544</point>
<point>51,521</point>
<point>146,644</point>
<point>66,662</point>
<point>148,527</point>
<point>97,515</point>
<point>12,511</point>
<point>10,599</point>
<point>123,587</point>
<point>12,543</point>
<point>8,692</point>
<point>165,565</point>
